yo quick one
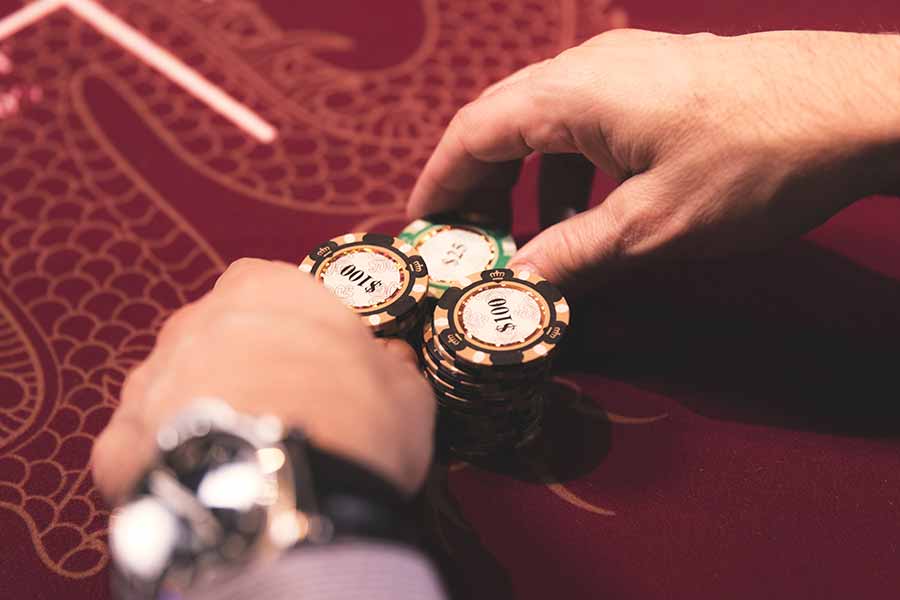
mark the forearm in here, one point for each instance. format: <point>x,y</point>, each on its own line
<point>827,103</point>
<point>865,92</point>
<point>884,89</point>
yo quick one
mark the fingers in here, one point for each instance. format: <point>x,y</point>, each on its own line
<point>119,457</point>
<point>239,270</point>
<point>124,448</point>
<point>564,187</point>
<point>279,286</point>
<point>499,127</point>
<point>264,335</point>
<point>491,198</point>
<point>584,249</point>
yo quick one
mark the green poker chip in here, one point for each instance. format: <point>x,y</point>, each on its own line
<point>454,248</point>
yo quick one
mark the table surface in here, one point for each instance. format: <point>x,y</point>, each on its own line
<point>724,429</point>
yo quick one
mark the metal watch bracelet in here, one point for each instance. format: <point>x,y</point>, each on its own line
<point>230,489</point>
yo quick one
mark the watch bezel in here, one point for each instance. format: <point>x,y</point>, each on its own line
<point>200,551</point>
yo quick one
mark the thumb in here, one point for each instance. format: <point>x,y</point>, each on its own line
<point>584,249</point>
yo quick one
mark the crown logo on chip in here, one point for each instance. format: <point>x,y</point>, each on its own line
<point>554,332</point>
<point>497,274</point>
<point>323,251</point>
<point>453,339</point>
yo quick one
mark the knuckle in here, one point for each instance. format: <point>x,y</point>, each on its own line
<point>537,67</point>
<point>569,54</point>
<point>175,324</point>
<point>645,229</point>
<point>464,128</point>
<point>240,270</point>
<point>232,324</point>
<point>247,285</point>
<point>549,133</point>
<point>464,119</point>
<point>560,255</point>
<point>630,226</point>
<point>703,36</point>
<point>569,248</point>
<point>618,34</point>
<point>243,264</point>
<point>101,460</point>
<point>136,382</point>
<point>100,451</point>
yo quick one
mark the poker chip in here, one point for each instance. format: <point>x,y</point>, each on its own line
<point>501,318</point>
<point>377,276</point>
<point>475,437</point>
<point>498,383</point>
<point>487,353</point>
<point>454,247</point>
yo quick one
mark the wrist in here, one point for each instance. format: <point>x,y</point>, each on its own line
<point>232,489</point>
<point>837,102</point>
<point>869,88</point>
<point>358,501</point>
<point>364,441</point>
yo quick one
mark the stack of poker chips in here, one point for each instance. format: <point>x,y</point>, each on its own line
<point>377,276</point>
<point>487,352</point>
<point>486,341</point>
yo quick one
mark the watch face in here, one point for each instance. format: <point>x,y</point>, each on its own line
<point>206,504</point>
<point>223,474</point>
<point>195,459</point>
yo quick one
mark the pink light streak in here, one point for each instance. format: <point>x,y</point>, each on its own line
<point>28,14</point>
<point>150,53</point>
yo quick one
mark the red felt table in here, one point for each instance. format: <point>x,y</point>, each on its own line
<point>717,430</point>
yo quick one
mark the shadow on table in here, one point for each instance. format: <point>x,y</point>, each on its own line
<point>467,568</point>
<point>800,338</point>
<point>571,444</point>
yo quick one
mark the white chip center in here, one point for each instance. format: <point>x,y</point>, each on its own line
<point>363,279</point>
<point>501,316</point>
<point>455,253</point>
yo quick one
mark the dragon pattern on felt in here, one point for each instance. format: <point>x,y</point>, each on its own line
<point>93,257</point>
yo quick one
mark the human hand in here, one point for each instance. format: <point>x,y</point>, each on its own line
<point>719,143</point>
<point>269,340</point>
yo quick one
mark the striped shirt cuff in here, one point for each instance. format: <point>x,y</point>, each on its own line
<point>341,571</point>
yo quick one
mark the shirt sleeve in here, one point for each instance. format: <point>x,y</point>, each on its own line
<point>353,570</point>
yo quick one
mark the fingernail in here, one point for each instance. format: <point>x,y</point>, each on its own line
<point>523,265</point>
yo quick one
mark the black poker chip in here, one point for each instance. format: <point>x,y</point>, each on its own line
<point>377,276</point>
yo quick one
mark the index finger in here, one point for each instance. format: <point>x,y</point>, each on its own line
<point>496,128</point>
<point>279,287</point>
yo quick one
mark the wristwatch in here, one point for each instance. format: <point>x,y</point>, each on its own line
<point>230,489</point>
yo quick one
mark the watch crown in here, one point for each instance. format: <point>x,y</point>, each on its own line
<point>269,429</point>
